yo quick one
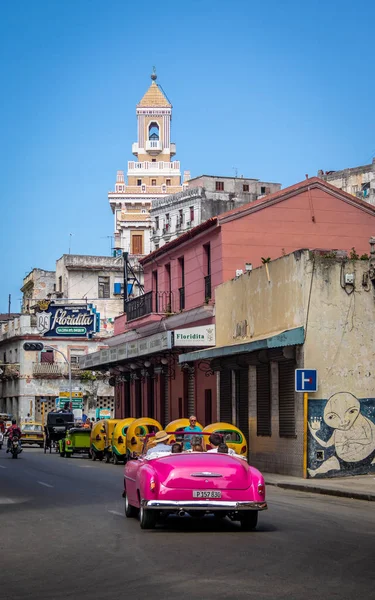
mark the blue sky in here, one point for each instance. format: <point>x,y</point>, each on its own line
<point>271,89</point>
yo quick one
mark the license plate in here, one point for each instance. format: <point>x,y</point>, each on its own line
<point>206,494</point>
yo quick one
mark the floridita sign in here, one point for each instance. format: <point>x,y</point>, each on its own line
<point>195,336</point>
<point>55,320</point>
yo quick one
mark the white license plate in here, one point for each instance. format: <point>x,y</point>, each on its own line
<point>206,494</point>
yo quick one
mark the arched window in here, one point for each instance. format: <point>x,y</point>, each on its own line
<point>153,131</point>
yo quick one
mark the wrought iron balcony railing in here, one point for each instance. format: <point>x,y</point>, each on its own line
<point>151,302</point>
<point>181,292</point>
<point>207,287</point>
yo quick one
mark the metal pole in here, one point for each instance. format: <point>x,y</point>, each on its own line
<point>125,257</point>
<point>69,369</point>
<point>305,431</point>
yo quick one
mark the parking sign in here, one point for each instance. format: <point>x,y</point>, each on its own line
<point>306,380</point>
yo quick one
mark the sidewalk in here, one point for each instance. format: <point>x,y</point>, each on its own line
<point>360,487</point>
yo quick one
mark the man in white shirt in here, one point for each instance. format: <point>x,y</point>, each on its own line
<point>215,440</point>
<point>160,446</point>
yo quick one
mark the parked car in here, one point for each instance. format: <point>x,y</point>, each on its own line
<point>77,441</point>
<point>136,433</point>
<point>32,434</point>
<point>232,437</point>
<point>194,483</point>
<point>118,446</point>
<point>97,440</point>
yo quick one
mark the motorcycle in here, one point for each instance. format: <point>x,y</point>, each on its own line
<point>15,447</point>
<point>1,439</point>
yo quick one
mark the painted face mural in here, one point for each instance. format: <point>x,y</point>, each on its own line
<point>352,442</point>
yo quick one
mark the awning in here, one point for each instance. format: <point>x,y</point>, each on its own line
<point>290,337</point>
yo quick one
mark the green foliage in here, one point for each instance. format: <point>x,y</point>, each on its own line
<point>331,254</point>
<point>353,254</point>
<point>87,376</point>
<point>364,257</point>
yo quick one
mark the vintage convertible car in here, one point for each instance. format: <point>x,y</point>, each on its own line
<point>194,483</point>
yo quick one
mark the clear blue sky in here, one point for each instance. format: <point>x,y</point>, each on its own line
<point>272,89</point>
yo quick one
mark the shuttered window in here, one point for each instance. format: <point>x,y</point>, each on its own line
<point>263,375</point>
<point>242,402</point>
<point>287,408</point>
<point>137,244</point>
<point>226,396</point>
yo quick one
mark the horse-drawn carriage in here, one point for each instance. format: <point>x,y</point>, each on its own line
<point>55,429</point>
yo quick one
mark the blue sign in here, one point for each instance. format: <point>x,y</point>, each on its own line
<point>306,380</point>
<point>70,320</point>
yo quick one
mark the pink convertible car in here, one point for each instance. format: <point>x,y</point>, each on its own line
<point>195,483</point>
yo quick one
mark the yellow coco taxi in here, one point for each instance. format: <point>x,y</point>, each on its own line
<point>97,440</point>
<point>119,440</point>
<point>136,432</point>
<point>232,436</point>
<point>109,426</point>
<point>179,425</point>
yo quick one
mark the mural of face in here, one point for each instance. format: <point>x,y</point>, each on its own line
<point>341,411</point>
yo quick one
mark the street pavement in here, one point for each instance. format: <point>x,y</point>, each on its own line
<point>64,536</point>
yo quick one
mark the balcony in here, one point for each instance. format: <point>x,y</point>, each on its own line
<point>49,370</point>
<point>9,371</point>
<point>154,146</point>
<point>151,302</point>
<point>207,287</point>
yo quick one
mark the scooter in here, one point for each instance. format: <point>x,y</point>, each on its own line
<point>15,447</point>
<point>1,439</point>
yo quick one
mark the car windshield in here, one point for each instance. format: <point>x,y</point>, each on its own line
<point>31,427</point>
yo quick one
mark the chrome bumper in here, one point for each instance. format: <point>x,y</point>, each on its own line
<point>212,505</point>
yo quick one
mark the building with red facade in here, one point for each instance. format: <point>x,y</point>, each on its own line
<point>176,314</point>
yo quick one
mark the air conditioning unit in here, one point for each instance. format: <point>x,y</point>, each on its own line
<point>239,272</point>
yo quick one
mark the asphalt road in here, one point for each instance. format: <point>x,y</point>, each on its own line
<point>64,536</point>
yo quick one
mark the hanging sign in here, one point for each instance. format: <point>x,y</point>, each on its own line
<point>56,320</point>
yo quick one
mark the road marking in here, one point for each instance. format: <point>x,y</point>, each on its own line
<point>45,484</point>
<point>2,467</point>
<point>115,512</point>
<point>7,501</point>
<point>84,466</point>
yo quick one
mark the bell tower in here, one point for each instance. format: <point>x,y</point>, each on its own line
<point>150,176</point>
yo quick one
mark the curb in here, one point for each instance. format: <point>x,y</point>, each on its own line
<point>369,497</point>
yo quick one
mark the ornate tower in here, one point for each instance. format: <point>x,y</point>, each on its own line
<point>153,175</point>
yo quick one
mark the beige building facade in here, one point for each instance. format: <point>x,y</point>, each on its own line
<point>308,310</point>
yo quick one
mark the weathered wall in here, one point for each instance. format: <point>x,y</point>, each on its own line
<point>340,343</point>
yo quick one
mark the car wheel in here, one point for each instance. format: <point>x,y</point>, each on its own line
<point>147,518</point>
<point>93,455</point>
<point>68,454</point>
<point>115,459</point>
<point>220,514</point>
<point>249,520</point>
<point>100,457</point>
<point>130,511</point>
<point>107,458</point>
<point>62,454</point>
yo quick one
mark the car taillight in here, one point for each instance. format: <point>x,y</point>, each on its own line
<point>68,443</point>
<point>243,450</point>
<point>97,437</point>
<point>261,489</point>
<point>120,440</point>
<point>152,485</point>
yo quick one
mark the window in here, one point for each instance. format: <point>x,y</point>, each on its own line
<point>139,181</point>
<point>168,281</point>
<point>287,416</point>
<point>208,406</point>
<point>153,131</point>
<point>60,283</point>
<point>156,222</point>
<point>103,284</point>
<point>263,378</point>
<point>47,356</point>
<point>207,270</point>
<point>168,182</point>
<point>191,211</point>
<point>153,160</point>
<point>153,181</point>
<point>167,221</point>
<point>137,244</point>
<point>181,277</point>
<point>263,189</point>
<point>245,187</point>
<point>75,353</point>
<point>219,186</point>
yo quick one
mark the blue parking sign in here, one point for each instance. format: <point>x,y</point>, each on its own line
<point>306,380</point>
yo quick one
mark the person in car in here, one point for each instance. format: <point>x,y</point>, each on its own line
<point>176,448</point>
<point>161,438</point>
<point>191,428</point>
<point>223,449</point>
<point>197,448</point>
<point>216,440</point>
